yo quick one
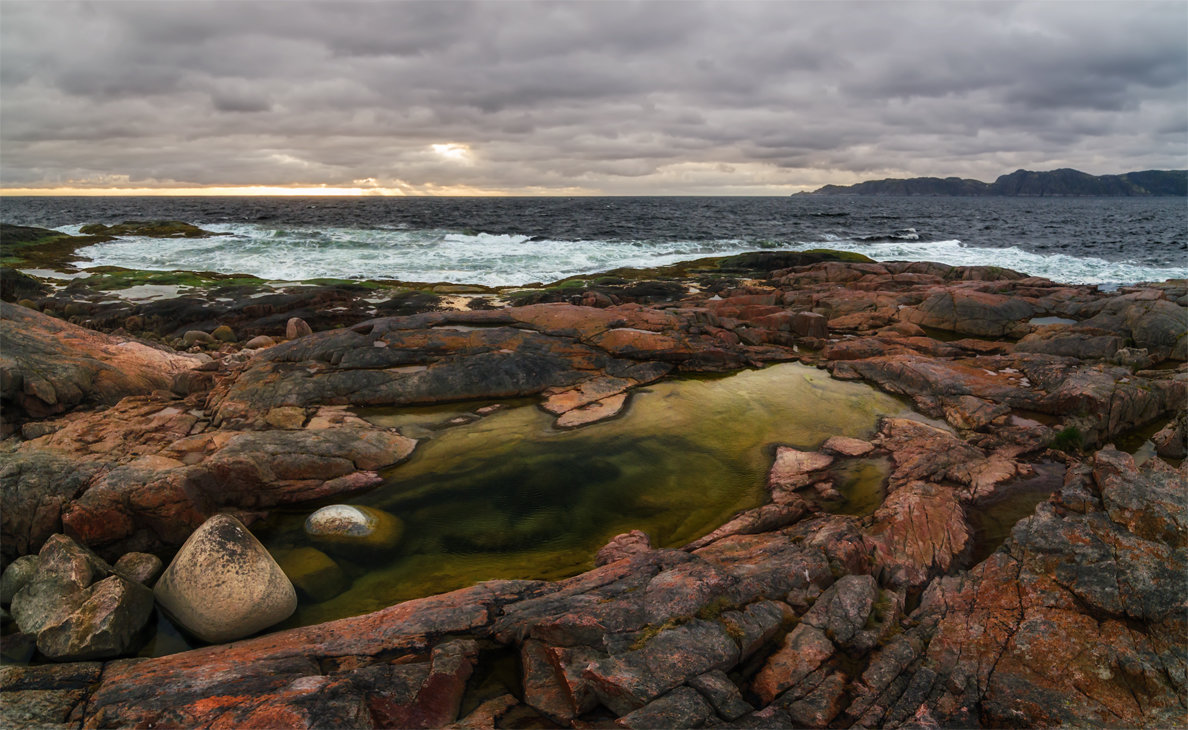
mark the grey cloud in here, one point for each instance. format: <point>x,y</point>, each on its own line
<point>610,96</point>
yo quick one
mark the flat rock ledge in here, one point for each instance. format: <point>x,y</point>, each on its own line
<point>786,616</point>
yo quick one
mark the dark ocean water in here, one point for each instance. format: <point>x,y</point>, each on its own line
<point>519,240</point>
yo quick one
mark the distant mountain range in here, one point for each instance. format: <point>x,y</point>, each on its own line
<point>1025,183</point>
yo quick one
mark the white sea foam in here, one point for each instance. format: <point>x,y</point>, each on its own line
<point>299,253</point>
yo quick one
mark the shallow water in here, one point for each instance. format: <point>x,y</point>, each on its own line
<point>509,496</point>
<point>993,519</point>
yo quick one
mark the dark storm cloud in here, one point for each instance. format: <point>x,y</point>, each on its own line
<point>609,97</point>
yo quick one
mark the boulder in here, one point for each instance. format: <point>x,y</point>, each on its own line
<point>16,575</point>
<point>198,337</point>
<point>354,528</point>
<point>258,342</point>
<point>313,573</point>
<point>140,568</point>
<point>223,584</point>
<point>77,608</point>
<point>223,333</point>
<point>297,327</point>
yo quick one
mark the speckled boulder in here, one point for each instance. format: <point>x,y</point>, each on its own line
<point>223,584</point>
<point>354,528</point>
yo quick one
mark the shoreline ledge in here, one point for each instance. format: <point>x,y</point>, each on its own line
<point>128,423</point>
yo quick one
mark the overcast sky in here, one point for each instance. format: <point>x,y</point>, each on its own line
<point>584,97</point>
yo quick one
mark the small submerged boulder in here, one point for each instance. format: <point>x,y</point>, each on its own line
<point>354,528</point>
<point>223,584</point>
<point>314,573</point>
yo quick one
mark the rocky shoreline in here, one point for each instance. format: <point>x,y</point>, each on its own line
<point>126,430</point>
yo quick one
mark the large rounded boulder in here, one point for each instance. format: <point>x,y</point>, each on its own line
<point>223,584</point>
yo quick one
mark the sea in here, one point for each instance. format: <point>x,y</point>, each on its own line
<point>517,241</point>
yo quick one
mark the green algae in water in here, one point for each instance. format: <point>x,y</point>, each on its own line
<point>862,483</point>
<point>509,496</point>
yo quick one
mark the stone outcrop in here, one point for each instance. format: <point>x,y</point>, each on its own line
<point>49,366</point>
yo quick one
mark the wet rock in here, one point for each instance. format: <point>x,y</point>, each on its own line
<point>599,410</point>
<point>296,327</point>
<point>846,446</point>
<point>354,528</point>
<point>142,568</point>
<point>16,575</point>
<point>794,468</point>
<point>313,573</point>
<point>223,584</point>
<point>623,546</point>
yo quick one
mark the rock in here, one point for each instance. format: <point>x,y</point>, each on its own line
<point>843,609</point>
<point>45,696</point>
<point>794,468</point>
<point>289,417</point>
<point>628,681</point>
<point>198,337</point>
<point>50,366</point>
<point>296,327</point>
<point>354,528</point>
<point>972,313</point>
<point>623,546</point>
<point>76,608</point>
<point>804,649</point>
<point>599,410</point>
<point>105,625</point>
<point>682,707</point>
<point>259,342</point>
<point>16,575</point>
<point>1171,441</point>
<point>918,533</point>
<point>223,584</point>
<point>313,573</point>
<point>1073,341</point>
<point>818,708</point>
<point>223,333</point>
<point>140,568</point>
<point>846,446</point>
<point>722,694</point>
